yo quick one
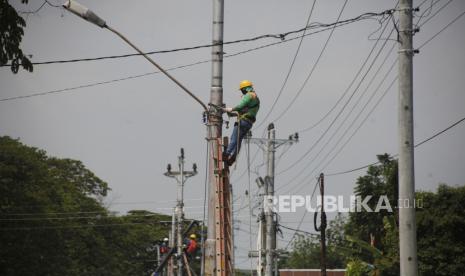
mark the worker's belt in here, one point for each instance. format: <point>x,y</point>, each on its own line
<point>249,119</point>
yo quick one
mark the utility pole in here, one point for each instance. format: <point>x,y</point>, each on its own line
<point>214,136</point>
<point>270,144</point>
<point>181,177</point>
<point>270,222</point>
<point>261,238</point>
<point>407,222</point>
<point>172,236</point>
<point>322,227</point>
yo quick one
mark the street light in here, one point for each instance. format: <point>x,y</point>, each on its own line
<point>90,16</point>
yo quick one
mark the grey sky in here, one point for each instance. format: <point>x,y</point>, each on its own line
<point>127,131</point>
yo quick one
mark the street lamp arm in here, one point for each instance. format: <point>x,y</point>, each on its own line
<point>90,16</point>
<point>158,66</point>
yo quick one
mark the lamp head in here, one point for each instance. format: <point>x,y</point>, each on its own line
<point>84,12</point>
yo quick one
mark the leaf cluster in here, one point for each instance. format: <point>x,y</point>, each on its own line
<point>11,33</point>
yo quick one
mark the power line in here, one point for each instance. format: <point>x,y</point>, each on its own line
<point>417,145</point>
<point>152,73</point>
<point>281,36</point>
<point>387,12</point>
<point>432,16</point>
<point>303,217</point>
<point>330,111</point>
<point>313,67</point>
<point>298,230</point>
<point>353,134</point>
<point>422,45</point>
<point>445,27</point>
<point>360,125</point>
<point>73,218</point>
<point>38,9</point>
<point>345,92</point>
<point>338,114</point>
<point>290,68</point>
<point>338,101</point>
<point>371,110</point>
<point>356,104</point>
<point>34,228</point>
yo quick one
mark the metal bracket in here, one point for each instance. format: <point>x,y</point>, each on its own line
<point>409,51</point>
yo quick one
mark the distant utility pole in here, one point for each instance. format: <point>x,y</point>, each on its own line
<point>181,177</point>
<point>271,144</point>
<point>171,242</point>
<point>322,227</point>
<point>407,223</point>
<point>261,238</point>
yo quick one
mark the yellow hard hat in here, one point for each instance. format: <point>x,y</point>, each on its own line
<point>193,236</point>
<point>245,83</point>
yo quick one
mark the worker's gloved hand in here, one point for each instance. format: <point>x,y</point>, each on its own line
<point>227,109</point>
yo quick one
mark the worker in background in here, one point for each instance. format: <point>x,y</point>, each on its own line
<point>164,246</point>
<point>191,246</point>
<point>247,109</point>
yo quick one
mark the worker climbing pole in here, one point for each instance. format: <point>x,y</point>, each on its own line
<point>246,112</point>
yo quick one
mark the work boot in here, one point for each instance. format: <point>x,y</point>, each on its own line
<point>225,156</point>
<point>231,160</point>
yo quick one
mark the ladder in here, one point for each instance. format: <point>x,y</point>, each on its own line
<point>223,216</point>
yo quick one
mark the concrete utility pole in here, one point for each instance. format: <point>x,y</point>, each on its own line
<point>270,222</point>
<point>261,238</point>
<point>172,236</point>
<point>407,223</point>
<point>322,227</point>
<point>271,144</point>
<point>214,133</point>
<point>181,177</point>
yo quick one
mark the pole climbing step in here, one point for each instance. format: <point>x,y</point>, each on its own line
<point>223,218</point>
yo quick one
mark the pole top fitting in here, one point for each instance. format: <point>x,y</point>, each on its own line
<point>270,126</point>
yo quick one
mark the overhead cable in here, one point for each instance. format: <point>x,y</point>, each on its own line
<point>290,68</point>
<point>313,67</point>
<point>336,117</point>
<point>281,36</point>
<point>151,73</point>
<point>416,145</point>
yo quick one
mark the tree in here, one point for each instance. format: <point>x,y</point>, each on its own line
<point>306,248</point>
<point>440,224</point>
<point>380,180</point>
<point>11,33</point>
<point>52,221</point>
<point>374,235</point>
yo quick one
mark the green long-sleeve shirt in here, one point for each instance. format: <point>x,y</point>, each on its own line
<point>248,107</point>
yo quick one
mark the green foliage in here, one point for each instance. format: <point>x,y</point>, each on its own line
<point>11,34</point>
<point>306,249</point>
<point>305,253</point>
<point>357,268</point>
<point>440,224</point>
<point>52,222</point>
<point>380,180</point>
<point>374,235</point>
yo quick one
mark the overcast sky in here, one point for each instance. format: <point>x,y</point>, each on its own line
<point>127,131</point>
